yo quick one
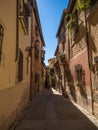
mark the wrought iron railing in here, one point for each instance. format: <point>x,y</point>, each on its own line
<point>24,19</point>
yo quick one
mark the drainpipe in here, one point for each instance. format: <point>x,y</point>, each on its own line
<point>68,47</point>
<point>17,29</point>
<point>31,46</point>
<point>89,58</point>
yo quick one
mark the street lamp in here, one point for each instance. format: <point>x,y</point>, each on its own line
<point>28,50</point>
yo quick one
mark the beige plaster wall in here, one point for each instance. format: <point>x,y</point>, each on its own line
<point>8,65</point>
<point>13,95</point>
<point>12,101</point>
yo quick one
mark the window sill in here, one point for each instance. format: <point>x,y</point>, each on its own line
<point>92,11</point>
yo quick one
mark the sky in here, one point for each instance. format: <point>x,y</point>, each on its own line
<point>50,12</point>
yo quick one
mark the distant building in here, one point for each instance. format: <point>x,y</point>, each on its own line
<point>52,76</point>
<point>47,79</point>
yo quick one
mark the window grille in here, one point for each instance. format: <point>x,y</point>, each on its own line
<point>20,66</point>
<point>68,75</point>
<point>37,49</point>
<point>1,39</point>
<point>36,30</point>
<point>78,72</point>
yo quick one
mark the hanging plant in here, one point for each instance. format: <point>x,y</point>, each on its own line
<point>72,24</point>
<point>83,4</point>
<point>71,21</point>
<point>62,57</point>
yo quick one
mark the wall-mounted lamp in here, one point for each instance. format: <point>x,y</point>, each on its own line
<point>96,59</point>
<point>28,50</point>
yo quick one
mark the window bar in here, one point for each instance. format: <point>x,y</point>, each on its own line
<point>1,39</point>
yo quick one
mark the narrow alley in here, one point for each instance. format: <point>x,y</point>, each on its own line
<point>51,111</point>
<point>49,65</point>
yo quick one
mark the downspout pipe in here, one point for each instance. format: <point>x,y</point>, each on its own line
<point>17,30</point>
<point>89,57</point>
<point>31,46</point>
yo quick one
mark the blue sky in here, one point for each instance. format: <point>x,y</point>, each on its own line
<point>50,12</point>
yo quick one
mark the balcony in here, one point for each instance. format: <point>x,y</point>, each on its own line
<point>43,55</point>
<point>23,16</point>
<point>93,2</point>
<point>28,9</point>
<point>93,9</point>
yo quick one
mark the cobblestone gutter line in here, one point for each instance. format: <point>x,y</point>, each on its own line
<point>88,115</point>
<point>66,111</point>
<point>34,111</point>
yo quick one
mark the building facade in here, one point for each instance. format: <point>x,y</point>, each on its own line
<point>61,54</point>
<point>57,70</point>
<point>18,57</point>
<point>38,52</point>
<point>14,80</point>
<point>81,52</point>
<point>93,51</point>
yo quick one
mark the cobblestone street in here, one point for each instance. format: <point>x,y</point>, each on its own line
<point>51,111</point>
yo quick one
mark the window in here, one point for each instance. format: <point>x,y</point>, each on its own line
<point>93,2</point>
<point>1,39</point>
<point>27,59</point>
<point>51,72</point>
<point>78,73</point>
<point>20,65</point>
<point>68,75</point>
<point>36,77</point>
<point>43,55</point>
<point>37,49</point>
<point>76,22</point>
<point>36,30</point>
<point>37,81</point>
<point>23,17</point>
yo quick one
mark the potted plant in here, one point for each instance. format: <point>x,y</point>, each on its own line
<point>78,83</point>
<point>62,58</point>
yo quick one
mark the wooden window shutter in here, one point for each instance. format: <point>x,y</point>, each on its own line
<point>20,66</point>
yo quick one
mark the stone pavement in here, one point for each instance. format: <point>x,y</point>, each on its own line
<point>50,111</point>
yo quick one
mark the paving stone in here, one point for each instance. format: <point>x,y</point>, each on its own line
<point>51,111</point>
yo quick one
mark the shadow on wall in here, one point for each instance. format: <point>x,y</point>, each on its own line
<point>70,84</point>
<point>75,88</point>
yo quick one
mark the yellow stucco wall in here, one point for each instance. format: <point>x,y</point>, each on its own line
<point>12,101</point>
<point>8,65</point>
<point>24,41</point>
<point>14,95</point>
